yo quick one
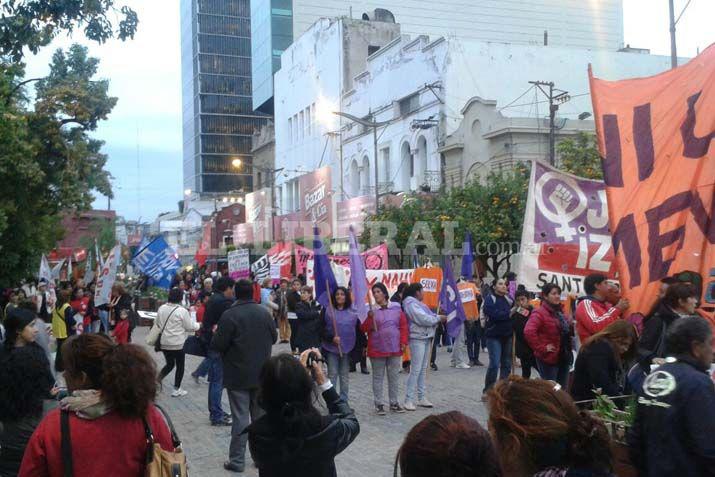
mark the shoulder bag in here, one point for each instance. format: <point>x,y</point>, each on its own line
<point>161,463</point>
<point>157,343</point>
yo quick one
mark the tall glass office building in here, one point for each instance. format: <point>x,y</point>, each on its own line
<point>272,34</point>
<point>218,117</point>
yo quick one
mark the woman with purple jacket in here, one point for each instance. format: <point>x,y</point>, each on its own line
<point>338,343</point>
<point>387,334</point>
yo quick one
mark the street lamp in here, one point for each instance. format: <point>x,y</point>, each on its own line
<point>374,125</point>
<point>236,163</point>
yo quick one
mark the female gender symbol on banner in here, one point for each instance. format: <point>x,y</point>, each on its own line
<point>561,198</point>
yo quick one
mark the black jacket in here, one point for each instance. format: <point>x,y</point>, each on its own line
<point>597,367</point>
<point>309,332</point>
<point>245,335</point>
<point>215,307</point>
<point>652,341</point>
<point>292,299</point>
<point>675,420</point>
<point>522,349</point>
<point>312,455</point>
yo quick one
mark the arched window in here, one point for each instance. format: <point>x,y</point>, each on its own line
<point>406,166</point>
<point>365,175</point>
<point>421,160</point>
<point>354,178</point>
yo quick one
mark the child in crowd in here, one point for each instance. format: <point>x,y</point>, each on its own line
<point>121,330</point>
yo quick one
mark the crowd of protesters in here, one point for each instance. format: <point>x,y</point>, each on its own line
<point>65,363</point>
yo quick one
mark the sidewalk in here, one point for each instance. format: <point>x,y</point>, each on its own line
<point>372,453</point>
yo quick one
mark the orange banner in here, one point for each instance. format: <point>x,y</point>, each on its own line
<point>655,136</point>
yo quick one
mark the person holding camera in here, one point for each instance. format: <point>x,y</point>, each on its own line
<point>293,438</point>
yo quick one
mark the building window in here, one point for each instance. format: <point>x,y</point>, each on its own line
<point>290,130</point>
<point>409,104</point>
<point>307,121</point>
<point>371,50</point>
<point>301,125</point>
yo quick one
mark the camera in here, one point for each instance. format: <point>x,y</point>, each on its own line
<point>313,358</point>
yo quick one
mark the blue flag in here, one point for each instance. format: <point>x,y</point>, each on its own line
<point>467,257</point>
<point>325,283</point>
<point>158,261</point>
<point>450,302</point>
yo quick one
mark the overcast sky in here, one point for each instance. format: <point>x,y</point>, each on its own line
<point>143,133</point>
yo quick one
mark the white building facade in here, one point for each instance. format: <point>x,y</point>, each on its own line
<point>422,86</point>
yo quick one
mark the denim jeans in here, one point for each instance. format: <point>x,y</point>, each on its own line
<point>104,319</point>
<point>472,334</point>
<point>215,385</point>
<point>499,360</point>
<point>339,366</point>
<point>419,353</point>
<point>202,369</point>
<point>554,372</point>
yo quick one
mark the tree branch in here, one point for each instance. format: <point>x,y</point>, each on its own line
<point>17,87</point>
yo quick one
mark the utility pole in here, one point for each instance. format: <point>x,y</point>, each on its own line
<point>560,97</point>
<point>673,48</point>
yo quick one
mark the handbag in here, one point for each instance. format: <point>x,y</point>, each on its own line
<point>157,343</point>
<point>195,346</point>
<point>162,463</point>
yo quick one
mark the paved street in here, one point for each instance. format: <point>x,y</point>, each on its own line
<point>372,453</point>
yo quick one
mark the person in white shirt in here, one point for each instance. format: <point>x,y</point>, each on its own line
<point>172,323</point>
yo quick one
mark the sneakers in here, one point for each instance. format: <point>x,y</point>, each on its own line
<point>476,362</point>
<point>226,421</point>
<point>233,467</point>
<point>434,367</point>
<point>424,403</point>
<point>380,410</point>
<point>178,393</point>
<point>397,408</point>
<point>410,406</point>
<point>197,379</point>
<point>463,366</point>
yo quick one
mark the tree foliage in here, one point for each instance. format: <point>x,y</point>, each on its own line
<point>580,156</point>
<point>33,24</point>
<point>48,162</point>
<point>492,210</point>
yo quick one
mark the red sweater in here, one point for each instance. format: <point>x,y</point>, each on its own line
<point>543,329</point>
<point>96,450</point>
<point>121,332</point>
<point>593,316</point>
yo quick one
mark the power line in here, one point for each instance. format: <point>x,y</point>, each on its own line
<point>517,99</point>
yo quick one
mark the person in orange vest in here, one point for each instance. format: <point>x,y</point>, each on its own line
<point>470,300</point>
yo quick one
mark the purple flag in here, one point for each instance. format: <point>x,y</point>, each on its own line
<point>358,278</point>
<point>450,302</point>
<point>323,273</point>
<point>467,257</point>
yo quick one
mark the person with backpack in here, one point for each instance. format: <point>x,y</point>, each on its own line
<point>168,335</point>
<point>101,427</point>
<point>499,333</point>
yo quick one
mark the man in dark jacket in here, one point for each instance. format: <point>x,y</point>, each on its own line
<point>292,299</point>
<point>219,302</point>
<point>499,333</point>
<point>673,431</point>
<point>244,338</point>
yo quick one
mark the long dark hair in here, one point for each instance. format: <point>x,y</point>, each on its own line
<point>25,380</point>
<point>411,290</point>
<point>285,391</point>
<point>348,299</point>
<point>125,374</point>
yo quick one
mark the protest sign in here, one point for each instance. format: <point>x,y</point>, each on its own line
<point>565,235</point>
<point>655,136</point>
<point>239,265</point>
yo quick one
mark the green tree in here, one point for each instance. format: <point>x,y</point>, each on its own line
<point>492,210</point>
<point>580,156</point>
<point>48,162</point>
<point>33,24</point>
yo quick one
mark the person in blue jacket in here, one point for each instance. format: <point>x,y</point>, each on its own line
<point>675,419</point>
<point>499,332</point>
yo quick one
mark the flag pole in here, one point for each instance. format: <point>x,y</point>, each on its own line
<point>332,315</point>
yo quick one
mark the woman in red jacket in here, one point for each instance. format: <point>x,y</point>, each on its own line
<point>112,390</point>
<point>387,335</point>
<point>548,333</point>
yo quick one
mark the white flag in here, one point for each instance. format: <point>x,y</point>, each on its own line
<point>88,270</point>
<point>56,270</point>
<point>45,270</point>
<point>105,281</point>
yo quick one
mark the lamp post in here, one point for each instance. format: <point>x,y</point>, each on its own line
<point>374,125</point>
